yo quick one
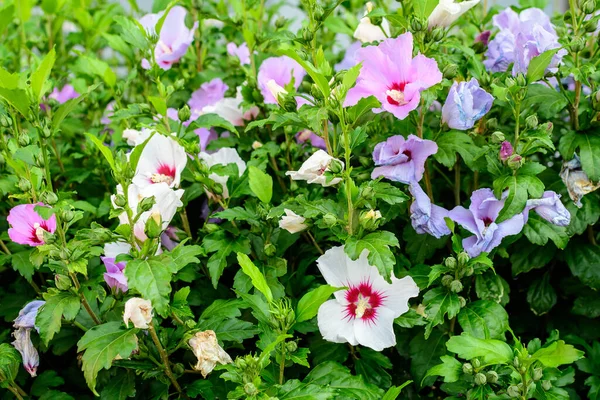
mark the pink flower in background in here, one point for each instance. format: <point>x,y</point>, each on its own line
<point>65,94</point>
<point>208,94</point>
<point>311,137</point>
<point>174,38</point>
<point>506,150</point>
<point>170,237</point>
<point>364,313</point>
<point>114,276</point>
<point>108,113</point>
<point>162,160</point>
<point>230,108</point>
<point>27,226</point>
<point>241,52</point>
<point>393,76</point>
<point>281,70</point>
<point>349,59</point>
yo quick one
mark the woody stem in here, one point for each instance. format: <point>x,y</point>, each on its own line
<point>164,357</point>
<point>84,301</point>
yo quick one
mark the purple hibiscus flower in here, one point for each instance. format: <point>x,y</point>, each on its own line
<point>402,160</point>
<point>506,150</point>
<point>208,94</point>
<point>393,76</point>
<point>466,104</point>
<point>349,59</point>
<point>114,276</point>
<point>522,37</point>
<point>280,71</point>
<point>425,216</point>
<point>63,95</point>
<point>480,220</point>
<point>550,208</point>
<point>241,52</point>
<point>311,137</point>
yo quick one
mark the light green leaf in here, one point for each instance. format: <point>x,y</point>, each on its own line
<point>17,98</point>
<point>40,75</point>
<point>394,391</point>
<point>9,362</point>
<point>450,369</point>
<point>257,277</point>
<point>103,149</point>
<point>159,103</point>
<point>309,304</point>
<point>489,351</point>
<point>133,32</point>
<point>209,121</point>
<point>423,8</point>
<point>537,65</point>
<point>260,183</point>
<point>316,75</point>
<point>556,354</point>
<point>102,344</point>
<point>538,231</point>
<point>378,244</point>
<point>69,106</point>
<point>454,142</point>
<point>589,152</point>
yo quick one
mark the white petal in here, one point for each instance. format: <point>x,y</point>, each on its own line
<point>112,250</point>
<point>398,293</point>
<point>333,324</point>
<point>377,334</point>
<point>160,151</point>
<point>332,265</point>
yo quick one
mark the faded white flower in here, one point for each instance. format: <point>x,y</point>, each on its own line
<point>29,354</point>
<point>223,156</point>
<point>367,32</point>
<point>206,348</point>
<point>313,170</point>
<point>139,312</point>
<point>292,222</point>
<point>448,11</point>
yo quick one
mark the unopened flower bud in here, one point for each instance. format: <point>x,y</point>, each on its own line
<point>329,219</point>
<point>318,13</point>
<point>450,262</point>
<point>531,122</point>
<point>456,286</point>
<point>316,92</point>
<point>289,103</point>
<point>450,71</point>
<point>146,204</point>
<point>46,132</point>
<point>510,82</point>
<point>368,193</point>
<point>492,376</point>
<point>2,159</point>
<point>538,373</point>
<point>370,219</point>
<point>280,22</point>
<point>447,280</point>
<point>437,34</point>
<point>521,80</point>
<point>49,198</point>
<point>153,227</point>
<point>491,123</point>
<point>469,271</point>
<point>250,389</point>
<point>291,347</point>
<point>513,391</point>
<point>498,137</point>
<point>549,127</point>
<point>120,200</point>
<point>480,379</point>
<point>506,150</point>
<point>463,258</point>
<point>515,161</point>
<point>577,44</point>
<point>336,166</point>
<point>62,282</point>
<point>5,121</point>
<point>462,301</point>
<point>546,385</point>
<point>23,140</point>
<point>307,34</point>
<point>589,7</point>
<point>467,368</point>
<point>184,113</point>
<point>476,363</point>
<point>39,160</point>
<point>270,249</point>
<point>139,312</point>
<point>516,362</point>
<point>24,185</point>
<point>590,26</point>
<point>256,145</point>
<point>416,25</point>
<point>67,215</point>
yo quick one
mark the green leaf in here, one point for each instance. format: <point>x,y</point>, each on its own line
<point>316,76</point>
<point>152,279</point>
<point>541,296</point>
<point>538,231</point>
<point>66,108</point>
<point>589,153</point>
<point>489,351</point>
<point>363,106</point>
<point>9,362</point>
<point>136,153</point>
<point>439,302</point>
<point>6,16</point>
<point>119,387</point>
<point>40,75</point>
<point>132,32</point>
<point>102,344</point>
<point>394,391</point>
<point>385,192</point>
<point>519,187</point>
<point>537,65</point>
<point>584,262</point>
<point>103,149</point>
<point>257,277</point>
<point>17,98</point>
<point>421,247</point>
<point>180,306</point>
<point>450,369</point>
<point>378,244</point>
<point>547,101</point>
<point>424,354</point>
<point>294,389</point>
<point>260,183</point>
<point>229,330</point>
<point>484,319</point>
<point>181,256</point>
<point>339,378</point>
<point>159,103</point>
<point>453,142</point>
<point>525,258</point>
<point>423,8</point>
<point>21,263</point>
<point>309,304</point>
<point>92,66</point>
<point>224,309</point>
<point>556,354</point>
<point>49,317</point>
<point>45,381</point>
<point>209,121</point>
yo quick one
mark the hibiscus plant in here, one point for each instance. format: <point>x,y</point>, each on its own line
<point>314,199</point>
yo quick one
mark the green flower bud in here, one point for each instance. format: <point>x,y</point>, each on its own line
<point>316,92</point>
<point>498,137</point>
<point>49,198</point>
<point>450,71</point>
<point>590,26</point>
<point>318,13</point>
<point>184,113</point>
<point>462,301</point>
<point>289,103</point>
<point>153,227</point>
<point>577,44</point>
<point>45,132</point>
<point>120,200</point>
<point>62,282</point>
<point>335,166</point>
<point>491,123</point>
<point>437,34</point>
<point>476,363</point>
<point>416,25</point>
<point>64,254</point>
<point>5,120</point>
<point>39,160</point>
<point>516,362</point>
<point>521,80</point>
<point>588,7</point>
<point>510,82</point>
<point>146,204</point>
<point>469,271</point>
<point>450,262</point>
<point>2,159</point>
<point>463,258</point>
<point>546,385</point>
<point>492,376</point>
<point>307,34</point>
<point>456,286</point>
<point>515,162</point>
<point>280,22</point>
<point>447,280</point>
<point>48,237</point>
<point>23,140</point>
<point>370,220</point>
<point>531,122</point>
<point>480,379</point>
<point>178,369</point>
<point>537,374</point>
<point>250,389</point>
<point>291,347</point>
<point>270,249</point>
<point>24,185</point>
<point>467,368</point>
<point>330,220</point>
<point>367,193</point>
<point>67,215</point>
<point>513,392</point>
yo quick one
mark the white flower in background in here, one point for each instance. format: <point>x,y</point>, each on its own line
<point>364,313</point>
<point>313,169</point>
<point>29,354</point>
<point>223,156</point>
<point>366,32</point>
<point>209,353</point>
<point>292,222</point>
<point>276,89</point>
<point>230,108</point>
<point>139,312</point>
<point>448,11</point>
<point>114,249</point>
<point>135,137</point>
<point>213,23</point>
<point>162,160</point>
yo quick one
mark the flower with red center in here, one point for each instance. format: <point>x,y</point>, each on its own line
<point>162,161</point>
<point>364,313</point>
<point>27,226</point>
<point>391,74</point>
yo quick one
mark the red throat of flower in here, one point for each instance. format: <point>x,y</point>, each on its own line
<point>164,173</point>
<point>363,302</point>
<point>37,232</point>
<point>395,94</point>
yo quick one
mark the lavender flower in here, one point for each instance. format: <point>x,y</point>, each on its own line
<point>506,150</point>
<point>65,94</point>
<point>241,52</point>
<point>466,104</point>
<point>402,160</point>
<point>480,220</point>
<point>208,94</point>
<point>282,71</point>
<point>114,275</point>
<point>550,208</point>
<point>27,315</point>
<point>425,216</point>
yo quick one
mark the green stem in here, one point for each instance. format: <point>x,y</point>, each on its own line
<point>312,239</point>
<point>421,122</point>
<point>164,357</point>
<point>84,301</point>
<point>282,364</point>
<point>15,392</point>
<point>517,113</point>
<point>185,222</point>
<point>457,180</point>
